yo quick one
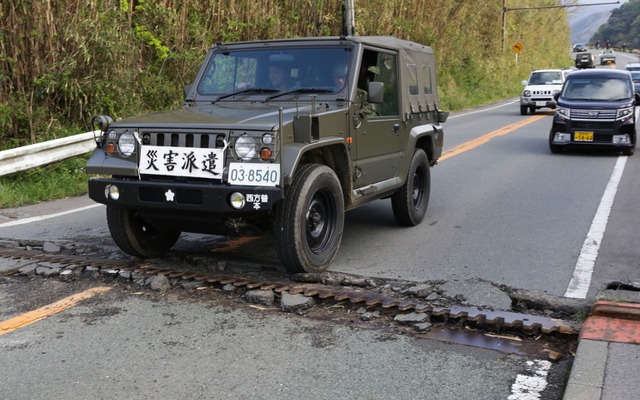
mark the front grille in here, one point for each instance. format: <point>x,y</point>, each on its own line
<point>541,92</point>
<point>593,114</point>
<point>593,125</point>
<point>173,139</point>
<point>602,138</point>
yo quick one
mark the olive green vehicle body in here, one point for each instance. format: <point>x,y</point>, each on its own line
<point>315,123</point>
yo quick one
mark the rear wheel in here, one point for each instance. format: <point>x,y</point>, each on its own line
<point>310,219</point>
<point>410,202</point>
<point>137,237</point>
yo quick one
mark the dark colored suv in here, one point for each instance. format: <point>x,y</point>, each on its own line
<point>585,60</point>
<point>596,108</point>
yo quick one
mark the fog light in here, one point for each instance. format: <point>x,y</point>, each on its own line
<point>112,192</point>
<point>562,137</point>
<point>237,200</point>
<point>621,139</point>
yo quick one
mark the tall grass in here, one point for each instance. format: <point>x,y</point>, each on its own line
<point>60,180</point>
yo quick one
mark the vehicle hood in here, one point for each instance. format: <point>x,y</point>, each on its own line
<point>599,105</point>
<point>227,115</point>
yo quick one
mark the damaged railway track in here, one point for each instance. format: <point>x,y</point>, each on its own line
<point>495,323</point>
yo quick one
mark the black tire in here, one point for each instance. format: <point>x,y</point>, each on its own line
<point>532,110</point>
<point>310,219</point>
<point>554,148</point>
<point>523,110</point>
<point>135,236</point>
<point>410,202</point>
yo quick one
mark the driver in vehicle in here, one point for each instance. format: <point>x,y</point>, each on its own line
<point>278,77</point>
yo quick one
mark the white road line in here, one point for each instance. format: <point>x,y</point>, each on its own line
<point>581,280</point>
<point>483,110</point>
<point>531,386</point>
<point>49,216</point>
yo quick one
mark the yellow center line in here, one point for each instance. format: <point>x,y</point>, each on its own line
<point>48,310</point>
<point>472,144</point>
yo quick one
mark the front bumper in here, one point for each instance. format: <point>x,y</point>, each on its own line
<point>613,135</point>
<point>538,102</point>
<point>174,198</point>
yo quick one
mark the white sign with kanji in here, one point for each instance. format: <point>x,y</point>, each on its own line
<point>182,161</point>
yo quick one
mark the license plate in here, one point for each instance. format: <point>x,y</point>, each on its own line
<point>581,136</point>
<point>541,103</point>
<point>249,174</point>
<point>181,161</point>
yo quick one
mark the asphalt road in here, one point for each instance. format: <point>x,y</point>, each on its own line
<point>503,210</point>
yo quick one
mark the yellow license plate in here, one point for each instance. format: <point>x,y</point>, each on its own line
<point>581,136</point>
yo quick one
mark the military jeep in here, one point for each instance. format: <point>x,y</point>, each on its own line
<point>276,137</point>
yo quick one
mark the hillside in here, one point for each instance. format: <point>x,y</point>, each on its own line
<point>585,20</point>
<point>585,26</point>
<point>623,26</point>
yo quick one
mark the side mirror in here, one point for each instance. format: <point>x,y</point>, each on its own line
<point>442,116</point>
<point>555,96</point>
<point>376,92</point>
<point>524,83</point>
<point>636,97</point>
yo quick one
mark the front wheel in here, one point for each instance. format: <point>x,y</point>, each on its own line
<point>523,110</point>
<point>310,219</point>
<point>137,237</point>
<point>410,202</point>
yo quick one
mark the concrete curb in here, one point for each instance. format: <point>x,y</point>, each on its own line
<point>608,322</point>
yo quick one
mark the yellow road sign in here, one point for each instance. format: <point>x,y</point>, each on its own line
<point>518,47</point>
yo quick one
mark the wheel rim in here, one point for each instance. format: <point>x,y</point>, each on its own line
<point>320,221</point>
<point>417,193</point>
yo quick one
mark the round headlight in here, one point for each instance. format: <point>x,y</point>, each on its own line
<point>267,138</point>
<point>127,144</point>
<point>245,147</point>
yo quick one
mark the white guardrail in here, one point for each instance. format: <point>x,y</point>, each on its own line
<point>35,155</point>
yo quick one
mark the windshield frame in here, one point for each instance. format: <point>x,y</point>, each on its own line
<point>248,73</point>
<point>597,88</point>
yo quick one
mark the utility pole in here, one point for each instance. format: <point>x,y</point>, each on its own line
<point>505,9</point>
<point>348,18</point>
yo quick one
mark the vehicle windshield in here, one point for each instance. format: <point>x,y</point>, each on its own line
<point>546,78</point>
<point>233,73</point>
<point>597,88</point>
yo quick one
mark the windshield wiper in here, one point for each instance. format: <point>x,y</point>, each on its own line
<point>248,90</point>
<point>300,90</point>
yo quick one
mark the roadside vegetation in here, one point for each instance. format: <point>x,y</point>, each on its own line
<point>63,62</point>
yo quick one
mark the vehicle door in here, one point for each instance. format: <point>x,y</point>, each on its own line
<point>377,130</point>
